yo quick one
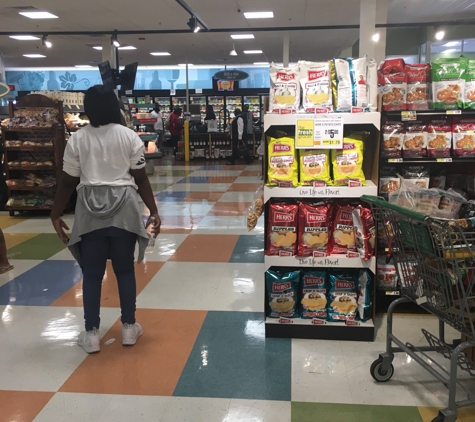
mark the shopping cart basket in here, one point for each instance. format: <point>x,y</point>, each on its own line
<point>435,262</point>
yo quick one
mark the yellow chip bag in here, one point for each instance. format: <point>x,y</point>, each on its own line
<point>282,165</point>
<point>314,167</point>
<point>348,162</point>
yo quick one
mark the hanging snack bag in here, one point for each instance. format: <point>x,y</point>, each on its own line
<point>365,231</point>
<point>469,90</point>
<point>343,236</point>
<point>282,229</point>
<point>386,273</point>
<point>283,165</point>
<point>284,89</point>
<point>316,87</point>
<point>372,84</point>
<point>314,167</point>
<point>439,138</point>
<point>392,84</point>
<point>463,135</point>
<point>415,141</point>
<point>365,296</point>
<point>342,295</point>
<point>282,290</point>
<point>348,163</point>
<point>418,77</point>
<point>314,229</point>
<point>417,175</point>
<point>359,77</point>
<point>389,181</point>
<point>438,179</point>
<point>342,88</point>
<point>448,82</point>
<point>313,303</point>
<point>393,137</point>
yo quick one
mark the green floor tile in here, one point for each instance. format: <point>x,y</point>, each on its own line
<point>43,246</point>
<point>158,187</point>
<point>329,412</point>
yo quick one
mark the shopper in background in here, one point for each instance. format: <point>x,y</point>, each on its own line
<point>210,113</point>
<point>176,128</point>
<point>5,265</point>
<point>237,139</point>
<point>158,125</point>
<point>248,121</point>
<point>105,162</point>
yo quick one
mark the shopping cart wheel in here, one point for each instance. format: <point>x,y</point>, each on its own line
<point>377,371</point>
<point>445,418</point>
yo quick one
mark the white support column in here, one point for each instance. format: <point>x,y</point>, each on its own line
<point>286,49</point>
<point>367,27</point>
<point>381,17</point>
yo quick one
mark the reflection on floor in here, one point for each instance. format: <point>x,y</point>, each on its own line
<point>203,356</point>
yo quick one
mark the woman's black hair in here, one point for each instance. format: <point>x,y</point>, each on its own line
<point>101,106</point>
<point>156,108</point>
<point>177,110</point>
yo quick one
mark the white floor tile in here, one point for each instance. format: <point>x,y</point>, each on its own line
<point>21,266</point>
<point>192,409</point>
<point>184,208</point>
<point>237,197</point>
<point>227,225</point>
<point>199,187</point>
<point>248,179</point>
<point>38,225</point>
<point>258,411</point>
<point>165,246</point>
<point>216,173</point>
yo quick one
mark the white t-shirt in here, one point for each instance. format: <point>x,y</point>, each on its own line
<point>103,156</point>
<point>158,125</point>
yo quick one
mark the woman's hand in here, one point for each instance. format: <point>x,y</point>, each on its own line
<point>156,224</point>
<point>59,225</point>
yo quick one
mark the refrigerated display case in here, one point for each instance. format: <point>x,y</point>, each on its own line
<point>164,103</point>
<point>179,101</point>
<point>218,107</point>
<point>254,103</point>
<point>232,102</point>
<point>201,101</point>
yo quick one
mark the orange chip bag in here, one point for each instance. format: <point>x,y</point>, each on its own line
<point>348,162</point>
<point>282,165</point>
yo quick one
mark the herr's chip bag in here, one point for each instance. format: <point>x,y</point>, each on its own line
<point>415,141</point>
<point>359,76</point>
<point>314,167</point>
<point>365,231</point>
<point>313,303</point>
<point>316,86</point>
<point>282,165</point>
<point>439,138</point>
<point>463,135</point>
<point>418,77</point>
<point>314,228</point>
<point>372,84</point>
<point>284,89</point>
<point>282,229</point>
<point>392,84</point>
<point>393,137</point>
<point>342,295</point>
<point>365,296</point>
<point>282,290</point>
<point>343,239</point>
<point>386,273</point>
<point>448,83</point>
<point>469,91</point>
<point>389,181</point>
<point>342,88</point>
<point>348,163</point>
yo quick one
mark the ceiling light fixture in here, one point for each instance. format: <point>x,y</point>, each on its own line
<point>451,43</point>
<point>38,15</point>
<point>450,50</point>
<point>45,42</point>
<point>242,37</point>
<point>83,66</point>
<point>160,53</point>
<point>199,21</point>
<point>233,52</point>
<point>114,40</point>
<point>261,63</point>
<point>440,34</point>
<point>252,51</point>
<point>24,37</point>
<point>127,47</point>
<point>258,15</point>
<point>34,56</point>
<point>97,47</point>
<point>193,24</point>
<point>375,37</point>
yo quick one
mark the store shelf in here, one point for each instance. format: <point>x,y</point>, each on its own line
<point>30,149</point>
<point>143,121</point>
<point>323,192</point>
<point>427,160</point>
<point>432,112</point>
<point>74,108</point>
<point>32,168</point>
<point>26,208</point>
<point>331,261</point>
<point>348,119</point>
<point>306,328</point>
<point>31,188</point>
<point>29,129</point>
<point>151,137</point>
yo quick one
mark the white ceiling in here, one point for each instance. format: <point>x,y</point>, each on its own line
<point>200,48</point>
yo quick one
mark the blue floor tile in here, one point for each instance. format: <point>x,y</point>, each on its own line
<point>249,248</point>
<point>167,196</point>
<point>232,358</point>
<point>211,167</point>
<point>41,285</point>
<point>194,179</point>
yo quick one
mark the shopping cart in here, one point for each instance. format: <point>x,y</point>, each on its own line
<point>435,262</point>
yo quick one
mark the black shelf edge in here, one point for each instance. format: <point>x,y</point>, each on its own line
<point>431,112</point>
<point>427,160</point>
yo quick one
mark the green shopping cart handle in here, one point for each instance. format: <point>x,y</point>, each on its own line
<point>400,210</point>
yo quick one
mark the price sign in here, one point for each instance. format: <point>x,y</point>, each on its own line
<point>323,131</point>
<point>394,160</point>
<point>454,112</point>
<point>444,160</point>
<point>408,115</point>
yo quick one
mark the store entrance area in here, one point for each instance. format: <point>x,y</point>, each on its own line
<point>203,355</point>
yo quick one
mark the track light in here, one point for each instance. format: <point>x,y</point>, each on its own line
<point>193,24</point>
<point>45,42</point>
<point>233,52</point>
<point>439,34</point>
<point>115,40</point>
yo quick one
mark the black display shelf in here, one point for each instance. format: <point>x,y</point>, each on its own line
<point>428,160</point>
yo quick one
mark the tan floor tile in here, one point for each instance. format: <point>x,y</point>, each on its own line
<point>244,187</point>
<point>229,208</point>
<point>22,406</point>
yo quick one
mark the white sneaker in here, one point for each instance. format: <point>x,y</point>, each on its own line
<point>90,341</point>
<point>131,333</point>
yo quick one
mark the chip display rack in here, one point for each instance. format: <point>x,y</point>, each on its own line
<point>319,329</point>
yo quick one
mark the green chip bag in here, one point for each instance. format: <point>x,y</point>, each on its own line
<point>469,92</point>
<point>448,82</point>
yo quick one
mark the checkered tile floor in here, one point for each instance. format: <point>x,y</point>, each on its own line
<point>203,356</point>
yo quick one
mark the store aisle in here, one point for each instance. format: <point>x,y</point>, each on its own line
<point>203,356</point>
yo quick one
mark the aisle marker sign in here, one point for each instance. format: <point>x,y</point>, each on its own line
<point>323,131</point>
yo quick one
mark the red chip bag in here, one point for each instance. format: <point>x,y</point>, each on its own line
<point>418,77</point>
<point>463,135</point>
<point>343,239</point>
<point>392,84</point>
<point>314,229</point>
<point>365,231</point>
<point>439,138</point>
<point>282,229</point>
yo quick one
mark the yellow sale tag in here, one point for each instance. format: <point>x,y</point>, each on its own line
<point>304,134</point>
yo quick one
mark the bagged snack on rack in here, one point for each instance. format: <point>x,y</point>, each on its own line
<point>282,229</point>
<point>392,84</point>
<point>282,288</point>
<point>389,181</point>
<point>282,165</point>
<point>411,196</point>
<point>342,240</point>
<point>365,296</point>
<point>449,205</point>
<point>418,175</point>
<point>418,78</point>
<point>448,82</point>
<point>386,273</point>
<point>415,141</point>
<point>256,209</point>
<point>365,231</point>
<point>314,228</point>
<point>359,76</point>
<point>284,89</point>
<point>463,135</point>
<point>342,88</point>
<point>342,295</point>
<point>438,179</point>
<point>314,167</point>
<point>372,84</point>
<point>469,90</point>
<point>347,163</point>
<point>313,293</point>
<point>316,86</point>
<point>439,138</point>
<point>455,181</point>
<point>393,137</point>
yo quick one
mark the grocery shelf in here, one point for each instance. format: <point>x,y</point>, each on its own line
<point>32,188</point>
<point>428,160</point>
<point>143,121</point>
<point>328,192</point>
<point>31,168</point>
<point>31,149</point>
<point>372,118</point>
<point>330,261</point>
<point>28,208</point>
<point>431,112</point>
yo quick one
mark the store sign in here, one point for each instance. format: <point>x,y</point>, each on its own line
<point>4,89</point>
<point>323,131</point>
<point>231,75</point>
<point>225,85</point>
